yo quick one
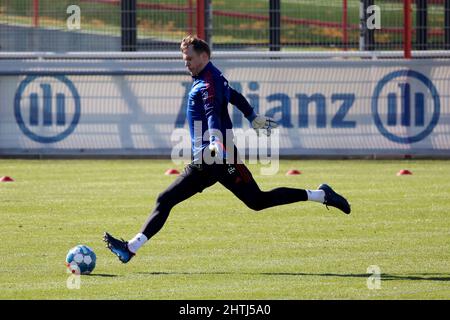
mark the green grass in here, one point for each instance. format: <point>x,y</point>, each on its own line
<point>213,247</point>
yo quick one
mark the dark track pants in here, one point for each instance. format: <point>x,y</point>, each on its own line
<point>235,177</point>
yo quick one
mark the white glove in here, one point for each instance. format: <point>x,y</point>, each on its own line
<point>263,122</point>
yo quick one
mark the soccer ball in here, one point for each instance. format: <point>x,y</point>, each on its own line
<point>81,260</point>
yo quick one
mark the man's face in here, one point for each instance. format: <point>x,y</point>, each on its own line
<point>193,61</point>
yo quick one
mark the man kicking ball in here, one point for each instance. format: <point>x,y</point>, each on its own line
<point>208,117</point>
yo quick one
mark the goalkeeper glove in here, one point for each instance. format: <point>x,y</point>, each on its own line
<point>263,122</point>
<point>216,147</point>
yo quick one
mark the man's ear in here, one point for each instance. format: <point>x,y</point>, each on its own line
<point>204,56</point>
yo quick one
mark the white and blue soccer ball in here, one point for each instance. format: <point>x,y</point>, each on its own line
<point>81,260</point>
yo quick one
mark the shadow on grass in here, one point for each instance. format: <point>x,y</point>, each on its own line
<point>103,275</point>
<point>384,276</point>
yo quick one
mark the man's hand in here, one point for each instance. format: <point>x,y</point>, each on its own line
<point>263,122</point>
<point>216,147</point>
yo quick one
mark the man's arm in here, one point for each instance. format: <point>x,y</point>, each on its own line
<point>257,121</point>
<point>212,102</point>
<point>239,101</point>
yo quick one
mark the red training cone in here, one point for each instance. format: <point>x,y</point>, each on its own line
<point>293,172</point>
<point>172,171</point>
<point>403,172</point>
<point>6,179</point>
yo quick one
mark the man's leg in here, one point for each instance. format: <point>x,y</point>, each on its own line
<point>191,181</point>
<point>239,180</point>
<point>194,179</point>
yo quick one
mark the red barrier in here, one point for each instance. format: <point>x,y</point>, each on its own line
<point>407,34</point>
<point>201,19</point>
<point>168,7</point>
<point>36,13</point>
<point>190,17</point>
<point>345,23</point>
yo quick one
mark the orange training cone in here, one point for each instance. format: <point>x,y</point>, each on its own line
<point>403,172</point>
<point>6,179</point>
<point>293,172</point>
<point>172,171</point>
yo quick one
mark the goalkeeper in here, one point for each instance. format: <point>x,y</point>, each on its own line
<point>208,119</point>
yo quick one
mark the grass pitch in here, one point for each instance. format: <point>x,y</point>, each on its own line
<point>213,247</point>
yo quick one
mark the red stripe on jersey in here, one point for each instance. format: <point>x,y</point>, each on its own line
<point>209,86</point>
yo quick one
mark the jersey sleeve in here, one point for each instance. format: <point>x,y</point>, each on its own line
<point>212,97</point>
<point>239,101</point>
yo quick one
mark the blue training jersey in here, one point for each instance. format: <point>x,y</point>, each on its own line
<point>207,108</point>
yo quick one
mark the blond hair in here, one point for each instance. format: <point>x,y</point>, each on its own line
<point>197,44</point>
